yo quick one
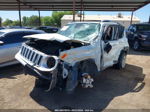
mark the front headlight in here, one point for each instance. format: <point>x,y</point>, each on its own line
<point>51,62</point>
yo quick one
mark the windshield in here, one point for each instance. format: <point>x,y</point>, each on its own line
<point>80,31</point>
<point>143,27</point>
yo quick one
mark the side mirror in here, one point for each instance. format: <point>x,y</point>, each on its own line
<point>106,41</point>
<point>1,43</point>
<point>107,47</point>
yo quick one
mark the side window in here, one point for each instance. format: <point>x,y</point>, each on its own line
<point>20,37</point>
<point>130,27</point>
<point>134,28</point>
<point>49,30</point>
<point>13,37</point>
<point>108,33</point>
<point>52,30</point>
<point>116,32</point>
<point>31,33</point>
<point>41,28</point>
<point>16,37</point>
<point>120,31</point>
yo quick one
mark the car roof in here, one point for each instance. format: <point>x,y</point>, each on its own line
<point>46,27</point>
<point>17,30</point>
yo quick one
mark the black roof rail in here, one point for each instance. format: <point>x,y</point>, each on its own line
<point>107,21</point>
<point>111,21</point>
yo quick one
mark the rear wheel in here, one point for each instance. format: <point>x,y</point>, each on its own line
<point>121,61</point>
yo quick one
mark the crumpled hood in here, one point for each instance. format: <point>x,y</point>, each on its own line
<point>53,37</point>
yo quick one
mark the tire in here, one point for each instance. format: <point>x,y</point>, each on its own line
<point>70,87</point>
<point>41,83</point>
<point>121,61</point>
<point>136,45</point>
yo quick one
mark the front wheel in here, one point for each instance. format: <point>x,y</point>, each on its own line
<point>41,83</point>
<point>121,61</point>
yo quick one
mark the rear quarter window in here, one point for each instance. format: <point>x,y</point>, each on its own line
<point>120,31</point>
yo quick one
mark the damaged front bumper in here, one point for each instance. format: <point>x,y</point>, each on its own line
<point>35,70</point>
<point>36,73</point>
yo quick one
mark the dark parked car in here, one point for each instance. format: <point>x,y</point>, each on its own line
<point>47,29</point>
<point>18,27</point>
<point>1,28</point>
<point>139,36</point>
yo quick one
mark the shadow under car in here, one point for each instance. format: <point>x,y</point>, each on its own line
<point>108,85</point>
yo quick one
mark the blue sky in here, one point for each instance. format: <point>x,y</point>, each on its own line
<point>143,13</point>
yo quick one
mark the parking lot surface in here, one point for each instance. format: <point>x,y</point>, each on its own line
<point>128,88</point>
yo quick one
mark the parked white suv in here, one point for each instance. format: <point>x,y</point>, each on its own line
<point>10,43</point>
<point>74,54</point>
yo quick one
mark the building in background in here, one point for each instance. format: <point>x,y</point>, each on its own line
<point>122,19</point>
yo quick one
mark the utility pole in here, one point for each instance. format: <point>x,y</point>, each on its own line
<point>39,18</point>
<point>0,21</point>
<point>20,23</point>
<point>81,10</point>
<point>74,7</point>
<point>131,18</point>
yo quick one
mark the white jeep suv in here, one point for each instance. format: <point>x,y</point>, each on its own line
<point>74,54</point>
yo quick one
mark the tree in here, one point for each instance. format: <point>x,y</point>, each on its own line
<point>7,22</point>
<point>0,21</point>
<point>25,21</point>
<point>47,21</point>
<point>56,17</point>
<point>33,21</point>
<point>16,23</point>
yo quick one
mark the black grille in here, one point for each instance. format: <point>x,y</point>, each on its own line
<point>31,55</point>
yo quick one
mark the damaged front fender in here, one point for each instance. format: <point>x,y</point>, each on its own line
<point>75,55</point>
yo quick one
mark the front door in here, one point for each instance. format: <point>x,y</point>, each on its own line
<point>110,45</point>
<point>8,51</point>
<point>10,47</point>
